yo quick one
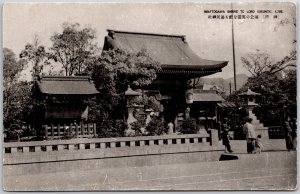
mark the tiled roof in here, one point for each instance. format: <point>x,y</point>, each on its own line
<point>171,51</point>
<point>227,105</point>
<point>249,93</point>
<point>71,85</point>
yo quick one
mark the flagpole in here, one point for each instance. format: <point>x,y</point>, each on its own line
<point>233,48</point>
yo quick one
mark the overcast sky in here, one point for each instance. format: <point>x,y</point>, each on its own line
<point>209,38</point>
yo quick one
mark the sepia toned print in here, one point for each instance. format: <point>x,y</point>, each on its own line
<point>149,96</point>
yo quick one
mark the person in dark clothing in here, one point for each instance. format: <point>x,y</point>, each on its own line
<point>226,141</point>
<point>288,134</point>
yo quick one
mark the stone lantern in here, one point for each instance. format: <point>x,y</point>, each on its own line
<point>131,94</point>
<point>249,101</point>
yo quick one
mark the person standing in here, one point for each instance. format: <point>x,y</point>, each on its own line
<point>225,139</point>
<point>250,135</point>
<point>294,133</point>
<point>288,134</point>
<point>258,144</point>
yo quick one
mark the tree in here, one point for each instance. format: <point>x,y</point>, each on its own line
<point>115,70</point>
<point>15,93</point>
<point>73,48</point>
<point>112,73</point>
<point>11,67</point>
<point>36,55</point>
<point>261,62</point>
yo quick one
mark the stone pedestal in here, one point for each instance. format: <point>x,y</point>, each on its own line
<point>130,118</point>
<point>258,127</point>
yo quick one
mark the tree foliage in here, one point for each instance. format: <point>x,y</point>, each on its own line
<point>16,95</point>
<point>276,81</point>
<point>188,127</point>
<point>115,70</point>
<point>261,62</point>
<point>35,54</point>
<point>11,67</point>
<point>73,48</point>
<point>156,127</point>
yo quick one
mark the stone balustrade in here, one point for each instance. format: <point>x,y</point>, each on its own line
<point>107,143</point>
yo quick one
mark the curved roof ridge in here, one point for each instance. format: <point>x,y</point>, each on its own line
<point>146,33</point>
<point>171,51</point>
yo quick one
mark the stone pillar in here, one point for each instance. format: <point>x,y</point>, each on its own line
<point>214,139</point>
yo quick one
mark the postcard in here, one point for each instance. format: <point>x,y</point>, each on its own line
<point>149,96</point>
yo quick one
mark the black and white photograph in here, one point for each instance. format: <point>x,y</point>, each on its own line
<point>149,96</point>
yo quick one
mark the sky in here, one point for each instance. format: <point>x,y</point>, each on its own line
<point>209,38</point>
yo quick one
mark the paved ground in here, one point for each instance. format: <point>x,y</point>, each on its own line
<point>269,170</point>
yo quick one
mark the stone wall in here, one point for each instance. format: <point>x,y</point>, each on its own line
<point>79,154</point>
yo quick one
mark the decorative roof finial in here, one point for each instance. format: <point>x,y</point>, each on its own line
<point>111,33</point>
<point>183,38</point>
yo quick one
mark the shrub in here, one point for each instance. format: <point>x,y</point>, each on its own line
<point>137,127</point>
<point>156,127</point>
<point>188,127</point>
<point>112,128</point>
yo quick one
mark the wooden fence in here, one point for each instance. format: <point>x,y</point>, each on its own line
<point>70,131</point>
<point>276,132</point>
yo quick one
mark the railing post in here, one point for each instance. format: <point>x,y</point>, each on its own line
<point>71,147</point>
<point>14,150</point>
<point>102,145</point>
<point>151,142</point>
<point>60,147</point>
<point>92,145</point>
<point>187,141</point>
<point>132,143</point>
<point>49,148</point>
<point>37,149</point>
<point>160,142</point>
<point>113,144</point>
<point>25,149</point>
<point>81,146</point>
<point>122,144</point>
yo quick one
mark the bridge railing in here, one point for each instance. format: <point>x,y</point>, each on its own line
<point>107,143</point>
